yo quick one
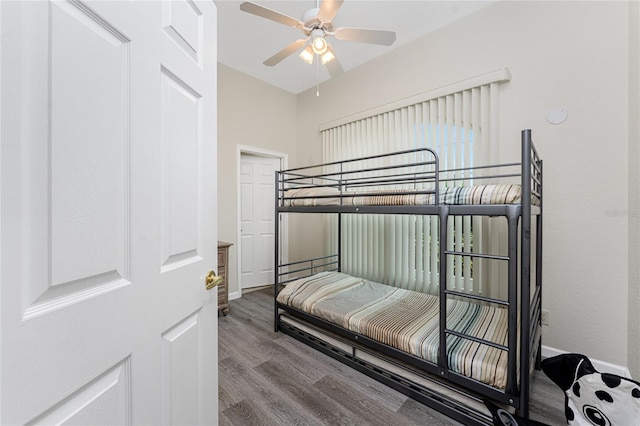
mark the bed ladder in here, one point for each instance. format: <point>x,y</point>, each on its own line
<point>513,214</point>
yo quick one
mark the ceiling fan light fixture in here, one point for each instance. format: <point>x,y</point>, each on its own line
<point>319,43</point>
<point>327,56</point>
<point>307,55</point>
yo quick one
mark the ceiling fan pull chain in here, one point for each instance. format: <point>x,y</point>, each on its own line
<point>318,78</point>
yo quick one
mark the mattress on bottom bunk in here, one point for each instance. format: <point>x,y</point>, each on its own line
<point>407,320</point>
<point>453,195</point>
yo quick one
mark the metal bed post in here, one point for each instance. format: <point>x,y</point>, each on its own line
<point>277,253</point>
<point>443,214</point>
<point>340,186</point>
<point>525,290</point>
<point>539,259</point>
<point>512,216</point>
<point>339,242</point>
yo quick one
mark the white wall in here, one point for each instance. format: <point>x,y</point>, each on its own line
<point>561,54</point>
<point>634,189</point>
<point>255,114</point>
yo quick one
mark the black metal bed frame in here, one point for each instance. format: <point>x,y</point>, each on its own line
<point>524,324</point>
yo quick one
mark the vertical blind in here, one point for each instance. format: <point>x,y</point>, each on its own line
<point>460,122</point>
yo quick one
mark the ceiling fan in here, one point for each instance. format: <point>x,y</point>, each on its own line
<point>316,24</point>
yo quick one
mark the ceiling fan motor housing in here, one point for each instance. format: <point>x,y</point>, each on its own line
<point>311,22</point>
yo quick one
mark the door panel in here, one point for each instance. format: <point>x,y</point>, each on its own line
<point>182,21</point>
<point>181,141</point>
<point>70,200</point>
<point>180,368</point>
<point>88,160</point>
<point>108,213</point>
<point>107,398</point>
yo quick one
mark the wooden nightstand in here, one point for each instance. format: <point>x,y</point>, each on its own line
<point>223,289</point>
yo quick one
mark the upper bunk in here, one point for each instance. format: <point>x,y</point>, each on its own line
<point>412,182</point>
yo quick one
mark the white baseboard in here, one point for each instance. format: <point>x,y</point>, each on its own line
<point>235,295</point>
<point>600,366</point>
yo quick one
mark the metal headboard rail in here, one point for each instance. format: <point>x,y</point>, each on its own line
<point>404,178</point>
<point>308,266</point>
<point>339,174</point>
<point>343,177</point>
<point>371,157</point>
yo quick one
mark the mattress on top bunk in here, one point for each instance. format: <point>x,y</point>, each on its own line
<point>407,320</point>
<point>458,195</point>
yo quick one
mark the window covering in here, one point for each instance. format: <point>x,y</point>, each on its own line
<point>460,122</point>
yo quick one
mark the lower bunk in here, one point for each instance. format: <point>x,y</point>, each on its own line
<point>394,335</point>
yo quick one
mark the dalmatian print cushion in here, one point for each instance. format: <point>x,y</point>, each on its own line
<point>593,398</point>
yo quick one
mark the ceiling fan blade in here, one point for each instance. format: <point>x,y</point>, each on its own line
<point>270,14</point>
<point>364,35</point>
<point>334,67</point>
<point>328,10</point>
<point>275,59</point>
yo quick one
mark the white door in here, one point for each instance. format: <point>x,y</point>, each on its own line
<point>108,212</point>
<point>257,227</point>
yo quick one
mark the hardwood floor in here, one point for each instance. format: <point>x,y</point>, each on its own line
<point>268,378</point>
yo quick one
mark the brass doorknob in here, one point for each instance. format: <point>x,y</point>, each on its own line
<point>212,280</point>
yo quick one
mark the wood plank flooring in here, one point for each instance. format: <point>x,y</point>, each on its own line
<point>268,378</point>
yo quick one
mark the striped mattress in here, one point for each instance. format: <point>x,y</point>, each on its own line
<point>407,320</point>
<point>475,194</point>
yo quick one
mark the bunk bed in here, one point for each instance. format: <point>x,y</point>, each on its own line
<point>450,350</point>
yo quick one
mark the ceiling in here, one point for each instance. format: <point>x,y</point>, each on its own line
<point>246,40</point>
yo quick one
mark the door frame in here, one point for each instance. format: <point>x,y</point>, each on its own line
<point>284,228</point>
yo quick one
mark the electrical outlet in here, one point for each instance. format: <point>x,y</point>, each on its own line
<point>545,317</point>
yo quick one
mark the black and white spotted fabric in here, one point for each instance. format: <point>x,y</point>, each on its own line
<point>593,398</point>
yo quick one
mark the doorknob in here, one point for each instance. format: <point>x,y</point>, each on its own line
<point>212,280</point>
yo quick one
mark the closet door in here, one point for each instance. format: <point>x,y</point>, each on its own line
<point>108,212</point>
<point>257,228</point>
